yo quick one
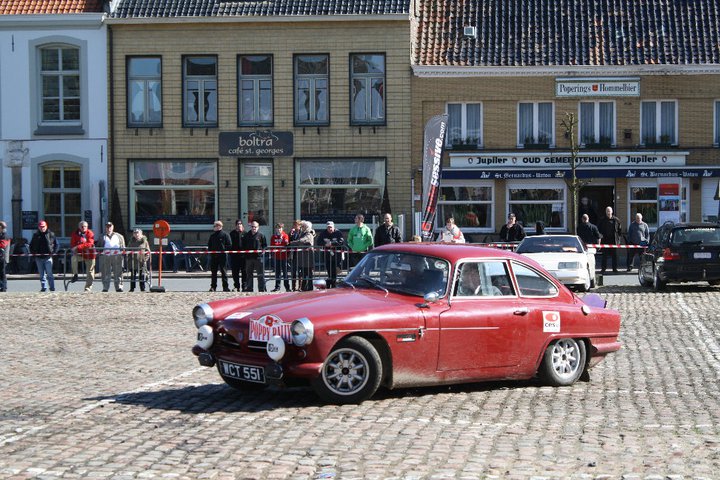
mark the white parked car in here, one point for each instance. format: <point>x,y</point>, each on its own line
<point>565,256</point>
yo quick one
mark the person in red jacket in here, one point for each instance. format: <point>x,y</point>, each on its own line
<point>280,240</point>
<point>82,243</point>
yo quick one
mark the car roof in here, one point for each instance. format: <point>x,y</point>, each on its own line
<point>691,225</point>
<point>451,252</point>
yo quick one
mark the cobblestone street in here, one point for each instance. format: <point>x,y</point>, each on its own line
<point>105,386</point>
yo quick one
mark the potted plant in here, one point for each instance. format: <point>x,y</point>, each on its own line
<point>467,143</point>
<point>542,142</point>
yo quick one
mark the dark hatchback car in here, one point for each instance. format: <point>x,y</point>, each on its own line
<point>682,252</point>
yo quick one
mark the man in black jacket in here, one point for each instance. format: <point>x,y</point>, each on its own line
<point>331,241</point>
<point>254,240</point>
<point>588,232</point>
<point>512,231</point>
<point>387,232</point>
<point>44,245</point>
<point>611,230</point>
<point>237,260</point>
<point>218,242</point>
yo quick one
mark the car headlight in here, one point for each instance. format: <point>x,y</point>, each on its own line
<point>302,331</point>
<point>202,315</point>
<point>569,265</point>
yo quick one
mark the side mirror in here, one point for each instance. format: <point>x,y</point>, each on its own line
<point>319,284</point>
<point>431,297</point>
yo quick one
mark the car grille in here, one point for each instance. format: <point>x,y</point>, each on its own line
<point>227,340</point>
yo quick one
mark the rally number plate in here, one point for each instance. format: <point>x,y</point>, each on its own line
<point>247,373</point>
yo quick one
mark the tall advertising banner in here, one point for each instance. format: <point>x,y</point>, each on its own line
<point>433,141</point>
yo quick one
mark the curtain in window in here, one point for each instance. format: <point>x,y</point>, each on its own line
<point>587,122</point>
<point>454,123</point>
<point>474,115</point>
<point>648,133</point>
<point>545,122</point>
<point>525,129</point>
<point>607,130</point>
<point>667,122</point>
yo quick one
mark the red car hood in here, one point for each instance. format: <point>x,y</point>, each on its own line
<point>335,304</point>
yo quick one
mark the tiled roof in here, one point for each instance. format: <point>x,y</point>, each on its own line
<point>567,32</point>
<point>21,7</point>
<point>213,8</point>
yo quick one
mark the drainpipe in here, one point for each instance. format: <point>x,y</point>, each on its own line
<point>111,126</point>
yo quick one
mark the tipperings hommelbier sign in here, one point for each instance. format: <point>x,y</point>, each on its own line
<point>258,144</point>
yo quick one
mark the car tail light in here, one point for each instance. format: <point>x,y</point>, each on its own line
<point>669,255</point>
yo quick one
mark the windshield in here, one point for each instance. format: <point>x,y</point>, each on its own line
<point>406,273</point>
<point>552,244</point>
<point>696,236</point>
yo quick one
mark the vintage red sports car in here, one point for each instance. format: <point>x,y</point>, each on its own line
<point>410,315</point>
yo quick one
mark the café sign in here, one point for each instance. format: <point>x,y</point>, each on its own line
<point>258,144</point>
<point>503,161</point>
<point>599,87</point>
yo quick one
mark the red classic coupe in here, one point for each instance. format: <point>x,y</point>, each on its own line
<point>410,315</point>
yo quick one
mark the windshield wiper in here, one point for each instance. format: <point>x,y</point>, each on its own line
<point>374,283</point>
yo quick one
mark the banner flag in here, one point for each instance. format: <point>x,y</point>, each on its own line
<point>433,142</point>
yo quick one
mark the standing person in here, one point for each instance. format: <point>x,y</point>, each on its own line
<point>280,240</point>
<point>387,232</point>
<point>4,252</point>
<point>82,244</point>
<point>331,241</point>
<point>293,236</point>
<point>44,245</point>
<point>588,232</point>
<point>111,263</point>
<point>254,240</point>
<point>218,243</point>
<point>638,233</point>
<point>359,239</point>
<point>140,251</point>
<point>512,231</point>
<point>539,228</point>
<point>304,255</point>
<point>451,233</point>
<point>611,231</point>
<point>237,260</point>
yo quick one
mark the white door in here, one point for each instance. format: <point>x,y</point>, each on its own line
<point>256,195</point>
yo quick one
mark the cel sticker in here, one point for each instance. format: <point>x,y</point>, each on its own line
<point>551,322</point>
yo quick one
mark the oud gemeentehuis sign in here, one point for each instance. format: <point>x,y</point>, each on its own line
<point>258,144</point>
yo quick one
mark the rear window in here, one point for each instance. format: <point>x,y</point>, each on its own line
<point>696,236</point>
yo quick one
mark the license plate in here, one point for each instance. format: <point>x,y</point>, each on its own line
<point>702,255</point>
<point>247,373</point>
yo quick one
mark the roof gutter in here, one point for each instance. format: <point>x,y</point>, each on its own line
<point>394,17</point>
<point>66,20</point>
<point>433,71</point>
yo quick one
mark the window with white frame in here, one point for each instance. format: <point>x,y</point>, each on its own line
<point>470,204</point>
<point>60,85</point>
<point>597,123</point>
<point>200,91</point>
<point>643,198</point>
<point>367,90</point>
<point>532,203</point>
<point>183,192</point>
<point>255,85</point>
<point>658,122</point>
<point>535,123</point>
<point>62,197</point>
<point>464,125</point>
<point>312,89</point>
<point>144,91</point>
<point>339,189</point>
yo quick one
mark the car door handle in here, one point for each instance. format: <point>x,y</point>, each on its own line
<point>521,311</point>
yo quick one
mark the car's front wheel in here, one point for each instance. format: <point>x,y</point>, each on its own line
<point>658,283</point>
<point>351,372</point>
<point>563,363</point>
<point>641,278</point>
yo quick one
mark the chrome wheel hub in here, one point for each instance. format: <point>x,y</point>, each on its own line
<point>345,371</point>
<point>565,358</point>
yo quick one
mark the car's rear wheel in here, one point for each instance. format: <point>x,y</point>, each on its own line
<point>563,363</point>
<point>641,278</point>
<point>351,373</point>
<point>658,283</point>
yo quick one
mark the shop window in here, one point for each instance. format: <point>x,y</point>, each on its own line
<point>183,192</point>
<point>255,90</point>
<point>597,124</point>
<point>644,200</point>
<point>62,197</point>
<point>312,89</point>
<point>200,91</point>
<point>339,189</point>
<point>531,205</point>
<point>144,91</point>
<point>535,124</point>
<point>464,126</point>
<point>367,92</point>
<point>470,205</point>
<point>60,85</point>
<point>658,123</point>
